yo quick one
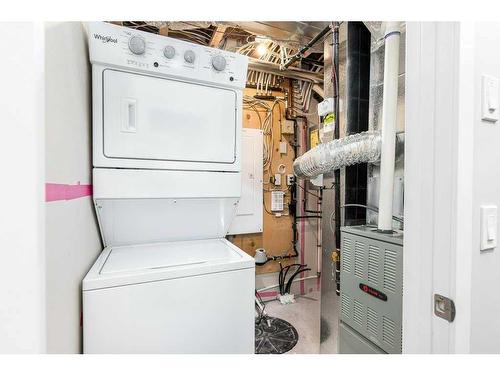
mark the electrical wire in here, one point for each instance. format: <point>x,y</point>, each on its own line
<point>266,125</point>
<point>282,275</point>
<point>308,191</point>
<point>302,268</point>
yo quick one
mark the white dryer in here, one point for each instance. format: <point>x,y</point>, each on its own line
<point>166,155</point>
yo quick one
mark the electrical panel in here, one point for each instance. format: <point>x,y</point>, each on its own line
<point>249,214</point>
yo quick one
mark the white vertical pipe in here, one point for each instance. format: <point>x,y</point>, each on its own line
<point>389,111</point>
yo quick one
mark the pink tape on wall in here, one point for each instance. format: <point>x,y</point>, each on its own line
<point>65,192</point>
<point>267,294</point>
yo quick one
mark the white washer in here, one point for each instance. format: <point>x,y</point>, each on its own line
<point>166,179</point>
<point>177,297</point>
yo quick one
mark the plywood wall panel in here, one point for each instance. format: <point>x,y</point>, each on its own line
<point>277,235</point>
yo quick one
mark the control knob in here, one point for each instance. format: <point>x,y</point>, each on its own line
<point>219,63</point>
<point>169,52</point>
<point>189,56</point>
<point>137,45</point>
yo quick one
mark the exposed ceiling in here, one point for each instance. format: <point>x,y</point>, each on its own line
<point>282,38</point>
<point>291,34</point>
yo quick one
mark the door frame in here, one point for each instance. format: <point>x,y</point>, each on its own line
<point>438,185</point>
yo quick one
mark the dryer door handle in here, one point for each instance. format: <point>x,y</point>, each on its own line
<point>129,115</point>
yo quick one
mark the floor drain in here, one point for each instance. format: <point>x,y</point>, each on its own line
<point>274,336</point>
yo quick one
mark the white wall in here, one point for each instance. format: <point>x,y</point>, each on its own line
<point>72,237</point>
<point>485,327</point>
<point>22,290</point>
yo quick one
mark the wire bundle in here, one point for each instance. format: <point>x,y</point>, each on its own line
<point>285,285</point>
<point>266,124</point>
<point>275,53</point>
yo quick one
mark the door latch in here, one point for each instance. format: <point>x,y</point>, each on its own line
<point>444,307</point>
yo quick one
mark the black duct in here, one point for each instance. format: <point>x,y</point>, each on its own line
<point>357,110</point>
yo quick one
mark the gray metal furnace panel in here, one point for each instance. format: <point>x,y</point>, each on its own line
<point>372,264</point>
<point>351,342</point>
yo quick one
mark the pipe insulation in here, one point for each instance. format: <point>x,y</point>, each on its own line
<point>388,136</point>
<point>326,157</point>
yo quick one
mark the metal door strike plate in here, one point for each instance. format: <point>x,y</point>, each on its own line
<point>444,307</point>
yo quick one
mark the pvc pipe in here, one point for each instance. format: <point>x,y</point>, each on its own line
<point>388,137</point>
<point>293,281</point>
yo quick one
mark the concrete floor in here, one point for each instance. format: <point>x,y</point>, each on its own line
<point>304,315</point>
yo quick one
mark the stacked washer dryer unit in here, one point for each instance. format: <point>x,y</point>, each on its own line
<point>166,154</point>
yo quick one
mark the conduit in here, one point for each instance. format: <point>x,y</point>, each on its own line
<point>326,157</point>
<point>388,137</point>
<point>303,146</point>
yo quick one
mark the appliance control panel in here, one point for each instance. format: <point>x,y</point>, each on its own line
<point>131,49</point>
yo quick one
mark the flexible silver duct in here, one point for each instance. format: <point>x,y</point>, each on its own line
<point>326,157</point>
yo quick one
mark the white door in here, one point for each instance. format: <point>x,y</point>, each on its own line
<point>152,118</point>
<point>438,187</point>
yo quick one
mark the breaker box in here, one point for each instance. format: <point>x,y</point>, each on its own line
<point>249,212</point>
<point>371,290</point>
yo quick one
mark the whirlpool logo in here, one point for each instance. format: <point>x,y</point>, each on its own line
<point>105,39</point>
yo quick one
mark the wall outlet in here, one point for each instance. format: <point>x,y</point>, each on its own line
<point>277,179</point>
<point>290,179</point>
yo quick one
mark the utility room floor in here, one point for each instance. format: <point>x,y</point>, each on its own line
<point>304,315</point>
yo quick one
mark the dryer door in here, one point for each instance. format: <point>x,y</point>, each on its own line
<point>158,119</point>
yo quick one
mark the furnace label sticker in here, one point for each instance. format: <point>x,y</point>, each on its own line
<point>373,292</point>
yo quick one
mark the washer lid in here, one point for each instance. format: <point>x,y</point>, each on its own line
<point>166,255</point>
<point>126,265</point>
